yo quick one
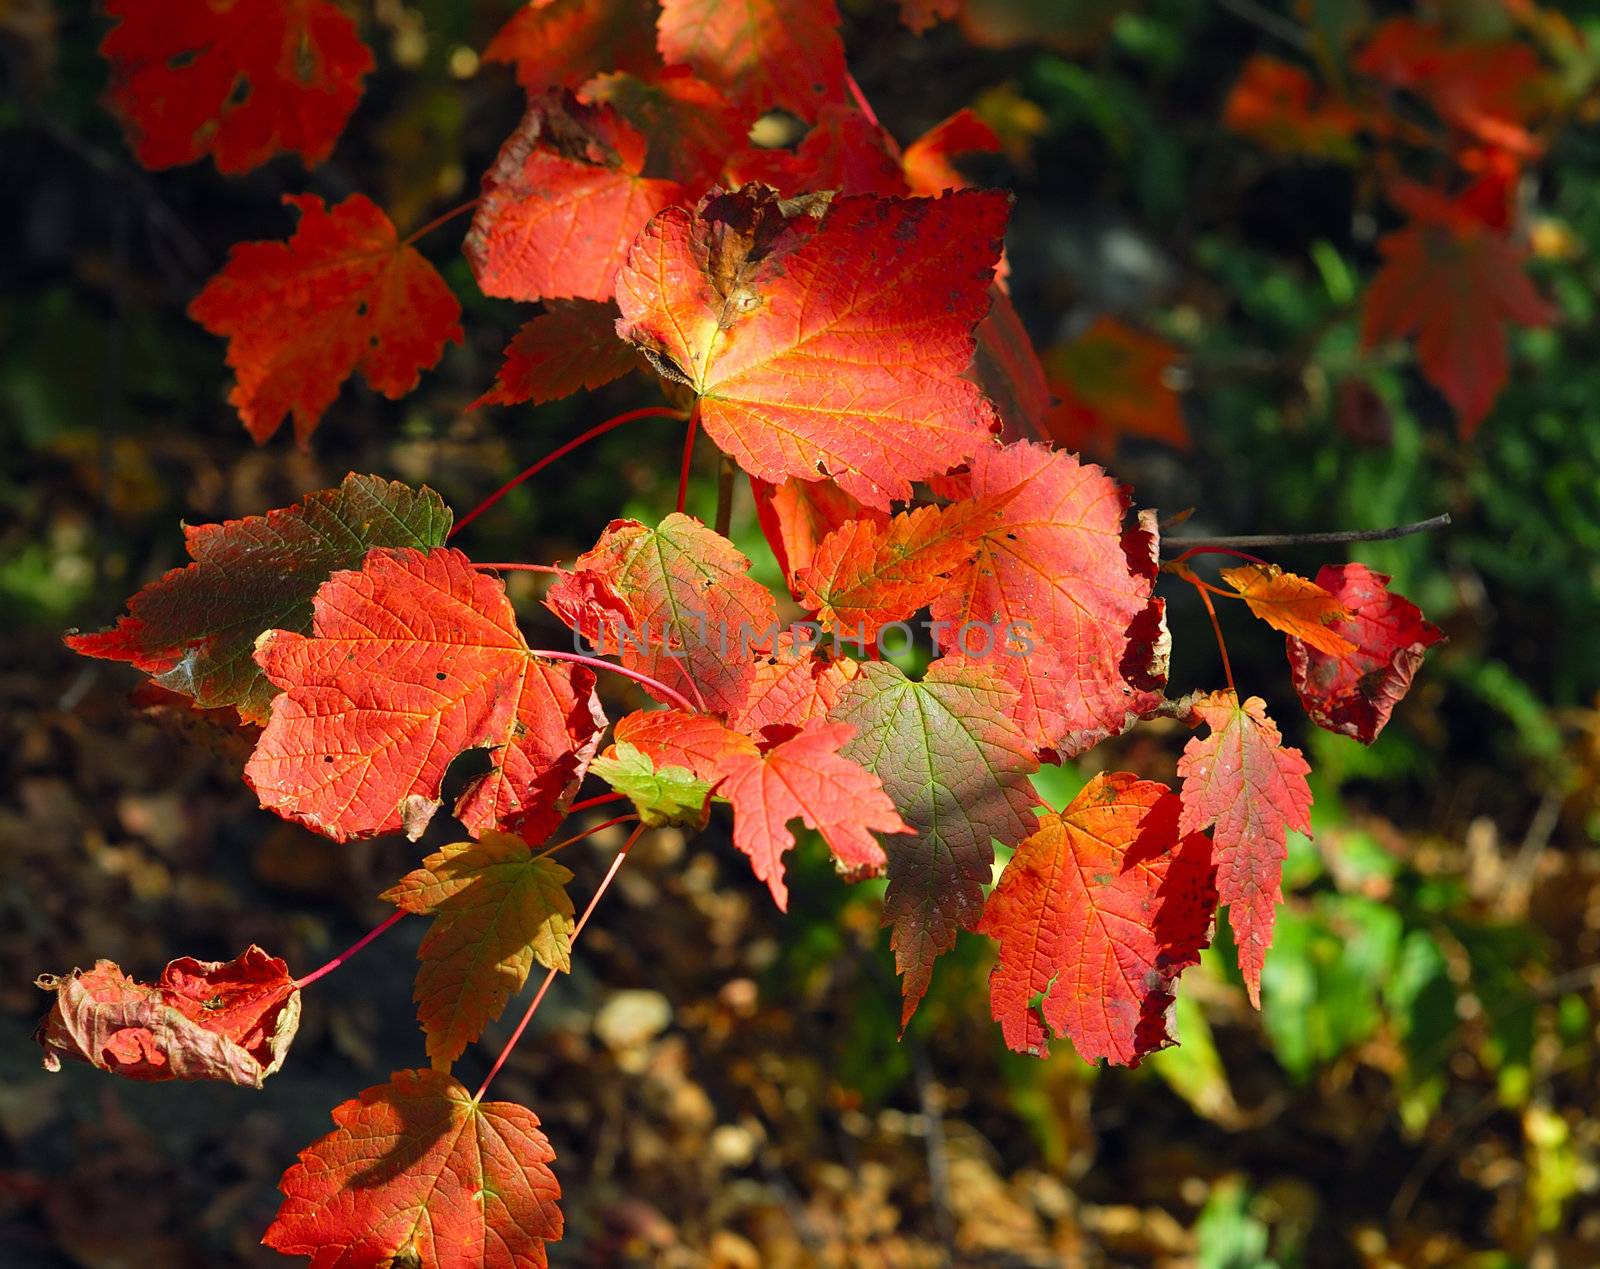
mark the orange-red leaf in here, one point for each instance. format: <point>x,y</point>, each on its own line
<point>1277,104</point>
<point>798,514</point>
<point>929,160</point>
<point>562,43</point>
<point>791,687</point>
<point>804,777</point>
<point>240,81</point>
<point>1250,790</point>
<point>417,1172</point>
<point>343,294</point>
<point>572,345</point>
<point>497,908</point>
<point>762,53</point>
<point>675,601</point>
<point>1293,604</point>
<point>1455,290</point>
<point>867,572</point>
<point>195,628</point>
<point>1058,598</point>
<point>1007,367</point>
<point>1112,382</point>
<point>956,767</point>
<point>673,738</point>
<point>919,15</point>
<point>1097,914</point>
<point>691,127</point>
<point>201,1020</point>
<point>561,204</point>
<point>825,339</point>
<point>847,152</point>
<point>410,662</point>
<point>1353,694</point>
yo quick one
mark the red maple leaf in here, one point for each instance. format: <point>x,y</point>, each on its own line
<point>241,81</point>
<point>1058,598</point>
<point>675,738</point>
<point>573,344</point>
<point>1250,790</point>
<point>1112,381</point>
<point>1354,692</point>
<point>675,601</point>
<point>417,1171</point>
<point>1097,914</point>
<point>791,687</point>
<point>563,43</point>
<point>956,767</point>
<point>690,125</point>
<point>343,294</point>
<point>1454,288</point>
<point>825,339</point>
<point>411,661</point>
<point>563,201</point>
<point>762,53</point>
<point>1277,104</point>
<point>1006,366</point>
<point>797,514</point>
<point>195,628</point>
<point>929,161</point>
<point>201,1020</point>
<point>847,152</point>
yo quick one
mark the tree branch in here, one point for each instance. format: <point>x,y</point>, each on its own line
<point>1180,545</point>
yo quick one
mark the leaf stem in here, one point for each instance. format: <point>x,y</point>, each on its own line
<point>1313,539</point>
<point>599,800</point>
<point>538,996</point>
<point>348,952</point>
<point>595,663</point>
<point>524,568</point>
<point>862,103</point>
<point>588,832</point>
<point>688,456</point>
<point>600,429</point>
<point>440,220</point>
<point>1222,644</point>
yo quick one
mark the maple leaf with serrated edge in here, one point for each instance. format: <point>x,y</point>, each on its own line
<point>792,685</point>
<point>686,597</point>
<point>762,53</point>
<point>691,127</point>
<point>563,43</point>
<point>241,82</point>
<point>867,573</point>
<point>1293,604</point>
<point>201,1020</point>
<point>410,662</point>
<point>497,908</point>
<point>1353,693</point>
<point>1062,573</point>
<point>418,1171</point>
<point>562,203</point>
<point>804,777</point>
<point>343,294</point>
<point>674,738</point>
<point>1097,913</point>
<point>956,767</point>
<point>1111,381</point>
<point>194,628</point>
<point>825,337</point>
<point>573,344</point>
<point>797,514</point>
<point>1250,789</point>
<point>1455,289</point>
<point>661,795</point>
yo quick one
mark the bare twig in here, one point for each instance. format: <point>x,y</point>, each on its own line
<point>1273,24</point>
<point>1179,545</point>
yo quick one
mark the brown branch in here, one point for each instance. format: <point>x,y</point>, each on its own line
<point>1179,545</point>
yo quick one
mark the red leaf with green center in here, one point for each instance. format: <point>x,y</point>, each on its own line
<point>1097,914</point>
<point>418,1172</point>
<point>1455,289</point>
<point>1250,790</point>
<point>241,82</point>
<point>411,661</point>
<point>867,573</point>
<point>674,738</point>
<point>201,1020</point>
<point>1354,693</point>
<point>956,767</point>
<point>689,611</point>
<point>497,908</point>
<point>563,43</point>
<point>1061,573</point>
<point>762,53</point>
<point>195,628</point>
<point>562,203</point>
<point>573,344</point>
<point>343,294</point>
<point>823,338</point>
<point>804,777</point>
